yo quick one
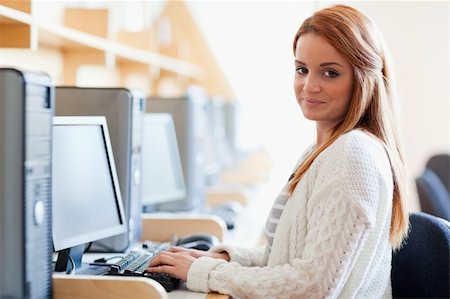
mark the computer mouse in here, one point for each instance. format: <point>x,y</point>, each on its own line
<point>228,207</point>
<point>228,211</point>
<point>198,241</point>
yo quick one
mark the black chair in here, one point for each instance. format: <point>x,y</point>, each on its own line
<point>420,269</point>
<point>433,197</point>
<point>440,164</point>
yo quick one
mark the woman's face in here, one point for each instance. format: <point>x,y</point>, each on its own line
<point>323,81</point>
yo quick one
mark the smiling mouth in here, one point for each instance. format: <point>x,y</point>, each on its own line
<point>312,101</point>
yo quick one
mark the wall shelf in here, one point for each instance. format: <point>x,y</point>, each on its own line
<point>63,37</point>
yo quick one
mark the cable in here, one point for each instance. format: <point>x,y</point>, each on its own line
<point>87,247</point>
<point>72,271</point>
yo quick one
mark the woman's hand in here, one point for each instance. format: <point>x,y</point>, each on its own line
<point>173,263</point>
<point>177,260</point>
<point>199,253</point>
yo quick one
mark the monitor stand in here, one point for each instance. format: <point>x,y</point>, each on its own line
<point>63,264</point>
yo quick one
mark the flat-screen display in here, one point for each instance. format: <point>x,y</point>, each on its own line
<point>87,203</point>
<point>162,174</point>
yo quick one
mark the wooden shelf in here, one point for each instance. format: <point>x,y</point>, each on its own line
<point>14,34</point>
<point>68,38</point>
<point>159,67</point>
<point>187,43</point>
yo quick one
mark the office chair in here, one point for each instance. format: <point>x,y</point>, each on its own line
<point>433,197</point>
<point>420,269</point>
<point>440,164</point>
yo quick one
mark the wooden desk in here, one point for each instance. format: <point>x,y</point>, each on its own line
<point>181,225</point>
<point>94,287</point>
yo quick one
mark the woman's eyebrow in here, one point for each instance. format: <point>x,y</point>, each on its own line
<point>321,65</point>
<point>330,63</point>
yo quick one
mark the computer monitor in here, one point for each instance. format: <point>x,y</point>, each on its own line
<point>232,118</point>
<point>189,117</point>
<point>162,174</point>
<point>124,110</point>
<point>217,124</point>
<point>87,203</point>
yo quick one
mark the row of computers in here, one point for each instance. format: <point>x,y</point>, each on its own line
<point>80,165</point>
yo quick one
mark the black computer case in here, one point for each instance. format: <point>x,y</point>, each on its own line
<point>26,111</point>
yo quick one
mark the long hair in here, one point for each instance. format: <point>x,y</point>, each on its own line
<point>372,106</point>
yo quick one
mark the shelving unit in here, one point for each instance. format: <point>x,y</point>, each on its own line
<point>83,39</point>
<point>14,33</point>
<point>20,29</point>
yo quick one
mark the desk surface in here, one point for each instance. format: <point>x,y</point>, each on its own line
<point>181,293</point>
<point>184,293</point>
<point>94,287</point>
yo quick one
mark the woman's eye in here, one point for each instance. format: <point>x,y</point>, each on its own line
<point>301,70</point>
<point>331,74</point>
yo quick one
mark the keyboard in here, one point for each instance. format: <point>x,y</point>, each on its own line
<point>135,263</point>
<point>92,270</point>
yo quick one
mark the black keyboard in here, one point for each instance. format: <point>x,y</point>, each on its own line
<point>135,263</point>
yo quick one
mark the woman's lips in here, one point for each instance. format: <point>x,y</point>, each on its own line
<point>312,102</point>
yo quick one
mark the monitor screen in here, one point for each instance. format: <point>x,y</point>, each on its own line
<point>87,203</point>
<point>162,174</point>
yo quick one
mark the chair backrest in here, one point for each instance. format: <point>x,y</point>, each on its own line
<point>440,164</point>
<point>420,269</point>
<point>433,197</point>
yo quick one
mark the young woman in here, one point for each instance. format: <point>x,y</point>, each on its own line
<point>333,227</point>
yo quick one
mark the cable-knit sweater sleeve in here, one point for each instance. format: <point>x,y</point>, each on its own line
<point>256,256</point>
<point>339,218</point>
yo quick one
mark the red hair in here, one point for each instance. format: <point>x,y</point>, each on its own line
<point>372,106</point>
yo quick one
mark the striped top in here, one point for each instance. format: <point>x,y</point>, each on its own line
<point>274,216</point>
<point>279,204</point>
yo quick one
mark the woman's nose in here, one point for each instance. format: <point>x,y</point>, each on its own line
<point>311,84</point>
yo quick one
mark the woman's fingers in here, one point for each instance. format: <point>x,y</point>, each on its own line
<point>178,249</point>
<point>175,264</point>
<point>163,258</point>
<point>192,252</point>
<point>199,253</point>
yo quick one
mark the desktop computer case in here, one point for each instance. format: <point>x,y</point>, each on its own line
<point>26,111</point>
<point>189,120</point>
<point>124,110</point>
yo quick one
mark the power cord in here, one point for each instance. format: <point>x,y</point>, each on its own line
<point>72,262</point>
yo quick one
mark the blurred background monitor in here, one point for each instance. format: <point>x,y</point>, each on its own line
<point>189,116</point>
<point>221,120</point>
<point>124,110</point>
<point>87,203</point>
<point>232,116</point>
<point>162,174</point>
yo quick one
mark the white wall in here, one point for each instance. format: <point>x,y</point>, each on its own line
<point>417,34</point>
<point>253,44</point>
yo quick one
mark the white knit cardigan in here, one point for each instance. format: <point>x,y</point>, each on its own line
<point>332,240</point>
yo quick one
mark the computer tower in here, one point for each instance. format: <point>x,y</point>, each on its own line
<point>26,111</point>
<point>124,110</point>
<point>189,115</point>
